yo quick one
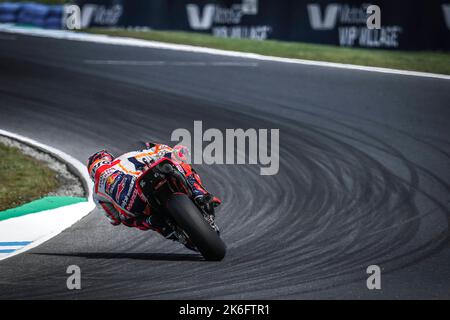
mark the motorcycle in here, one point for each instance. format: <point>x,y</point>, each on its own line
<point>166,189</point>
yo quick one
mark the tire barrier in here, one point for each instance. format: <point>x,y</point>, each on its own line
<point>33,14</point>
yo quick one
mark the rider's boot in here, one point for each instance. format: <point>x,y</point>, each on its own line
<point>201,196</point>
<point>199,193</point>
<point>208,201</point>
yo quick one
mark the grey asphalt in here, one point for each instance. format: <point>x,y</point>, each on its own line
<point>364,174</point>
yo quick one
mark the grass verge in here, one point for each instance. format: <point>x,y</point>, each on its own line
<point>425,61</point>
<point>22,178</point>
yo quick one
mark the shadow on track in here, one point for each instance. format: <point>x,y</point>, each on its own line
<point>134,256</point>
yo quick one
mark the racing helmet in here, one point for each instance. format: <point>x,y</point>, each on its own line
<point>98,159</point>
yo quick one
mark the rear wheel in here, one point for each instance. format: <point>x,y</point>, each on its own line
<point>189,218</point>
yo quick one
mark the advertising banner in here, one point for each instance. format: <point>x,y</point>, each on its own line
<point>403,24</point>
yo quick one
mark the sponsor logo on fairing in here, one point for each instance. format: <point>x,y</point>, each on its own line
<point>120,189</point>
<point>129,187</point>
<point>132,199</point>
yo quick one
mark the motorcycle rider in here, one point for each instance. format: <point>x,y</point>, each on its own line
<point>116,192</point>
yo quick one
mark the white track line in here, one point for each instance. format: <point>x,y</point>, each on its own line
<point>123,41</point>
<point>156,63</point>
<point>40,227</point>
<point>53,221</point>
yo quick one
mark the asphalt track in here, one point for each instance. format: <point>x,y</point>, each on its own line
<point>364,175</point>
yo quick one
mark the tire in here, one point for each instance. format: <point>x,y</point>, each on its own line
<point>189,218</point>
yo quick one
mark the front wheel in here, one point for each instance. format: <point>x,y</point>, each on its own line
<point>203,236</point>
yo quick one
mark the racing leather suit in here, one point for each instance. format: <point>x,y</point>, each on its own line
<point>115,189</point>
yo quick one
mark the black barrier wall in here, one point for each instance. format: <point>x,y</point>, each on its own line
<point>405,24</point>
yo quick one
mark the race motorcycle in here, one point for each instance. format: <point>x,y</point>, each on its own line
<point>167,190</point>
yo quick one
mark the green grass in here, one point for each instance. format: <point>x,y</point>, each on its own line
<point>22,178</point>
<point>426,61</point>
